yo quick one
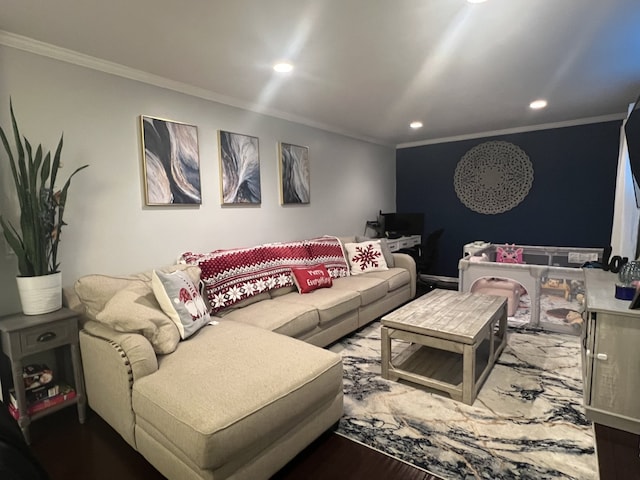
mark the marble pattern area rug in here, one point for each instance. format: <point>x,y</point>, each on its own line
<point>526,423</point>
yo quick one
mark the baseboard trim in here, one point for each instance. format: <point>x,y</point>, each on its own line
<point>438,278</point>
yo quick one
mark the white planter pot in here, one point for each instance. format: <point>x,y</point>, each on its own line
<point>40,294</point>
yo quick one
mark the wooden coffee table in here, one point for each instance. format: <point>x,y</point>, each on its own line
<point>451,340</point>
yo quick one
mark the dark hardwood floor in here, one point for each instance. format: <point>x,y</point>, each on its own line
<point>333,456</point>
<point>618,453</point>
<point>70,451</point>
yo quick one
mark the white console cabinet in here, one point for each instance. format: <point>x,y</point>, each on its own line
<point>610,355</point>
<point>396,244</point>
<point>472,248</point>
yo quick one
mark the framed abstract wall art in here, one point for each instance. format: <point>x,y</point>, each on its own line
<point>171,162</point>
<point>294,174</point>
<point>239,169</point>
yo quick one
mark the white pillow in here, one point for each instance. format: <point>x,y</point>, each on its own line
<point>180,300</point>
<point>365,257</point>
<point>384,245</point>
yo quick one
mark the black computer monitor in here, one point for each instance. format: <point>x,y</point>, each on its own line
<point>398,224</point>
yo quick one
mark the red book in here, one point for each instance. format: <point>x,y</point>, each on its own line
<point>43,404</point>
<point>36,394</point>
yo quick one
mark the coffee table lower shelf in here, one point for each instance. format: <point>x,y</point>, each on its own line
<point>441,366</point>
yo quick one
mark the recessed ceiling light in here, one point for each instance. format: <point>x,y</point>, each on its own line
<point>538,104</point>
<point>476,1</point>
<point>415,124</point>
<point>283,67</point>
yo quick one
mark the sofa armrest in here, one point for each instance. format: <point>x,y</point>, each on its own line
<point>403,260</point>
<point>112,362</point>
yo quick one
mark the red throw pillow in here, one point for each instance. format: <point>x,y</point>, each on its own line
<point>309,279</point>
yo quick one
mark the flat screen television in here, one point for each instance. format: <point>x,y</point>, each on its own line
<point>399,224</point>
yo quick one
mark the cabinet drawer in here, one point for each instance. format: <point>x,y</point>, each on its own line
<point>37,339</point>
<point>394,245</point>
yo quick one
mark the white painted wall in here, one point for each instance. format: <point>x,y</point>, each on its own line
<point>626,215</point>
<point>111,231</point>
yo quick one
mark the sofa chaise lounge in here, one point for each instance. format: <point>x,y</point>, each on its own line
<point>238,399</point>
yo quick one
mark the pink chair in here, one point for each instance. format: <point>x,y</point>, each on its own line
<point>500,287</point>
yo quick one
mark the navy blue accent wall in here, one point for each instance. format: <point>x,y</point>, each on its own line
<point>570,202</point>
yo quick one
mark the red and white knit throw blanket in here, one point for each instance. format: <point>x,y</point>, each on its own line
<point>234,275</point>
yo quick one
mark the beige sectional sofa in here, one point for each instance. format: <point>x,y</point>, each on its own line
<point>238,399</point>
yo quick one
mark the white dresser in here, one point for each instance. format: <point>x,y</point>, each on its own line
<point>396,244</point>
<point>610,355</point>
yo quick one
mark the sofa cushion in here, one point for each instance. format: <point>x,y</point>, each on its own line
<point>249,301</point>
<point>347,239</point>
<point>370,289</point>
<point>395,277</point>
<point>278,292</point>
<point>330,302</point>
<point>95,291</point>
<point>234,275</point>
<point>98,293</point>
<point>135,309</point>
<point>328,251</point>
<point>308,279</point>
<point>291,319</point>
<point>269,383</point>
<point>180,300</point>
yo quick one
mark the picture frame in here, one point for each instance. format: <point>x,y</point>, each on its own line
<point>171,162</point>
<point>294,175</point>
<point>239,169</point>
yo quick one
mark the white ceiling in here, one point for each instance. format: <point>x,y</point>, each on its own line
<point>367,68</point>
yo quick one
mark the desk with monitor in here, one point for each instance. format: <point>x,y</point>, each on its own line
<point>405,241</point>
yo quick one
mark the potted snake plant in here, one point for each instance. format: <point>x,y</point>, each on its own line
<point>42,207</point>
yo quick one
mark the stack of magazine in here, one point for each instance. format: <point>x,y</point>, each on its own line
<point>41,389</point>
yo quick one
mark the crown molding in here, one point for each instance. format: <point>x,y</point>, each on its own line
<point>37,47</point>
<point>509,131</point>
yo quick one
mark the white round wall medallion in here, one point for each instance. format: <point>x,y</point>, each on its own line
<point>493,177</point>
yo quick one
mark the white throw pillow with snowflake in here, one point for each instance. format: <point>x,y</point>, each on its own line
<point>365,257</point>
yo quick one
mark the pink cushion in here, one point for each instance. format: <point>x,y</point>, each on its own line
<point>513,296</point>
<point>496,283</point>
